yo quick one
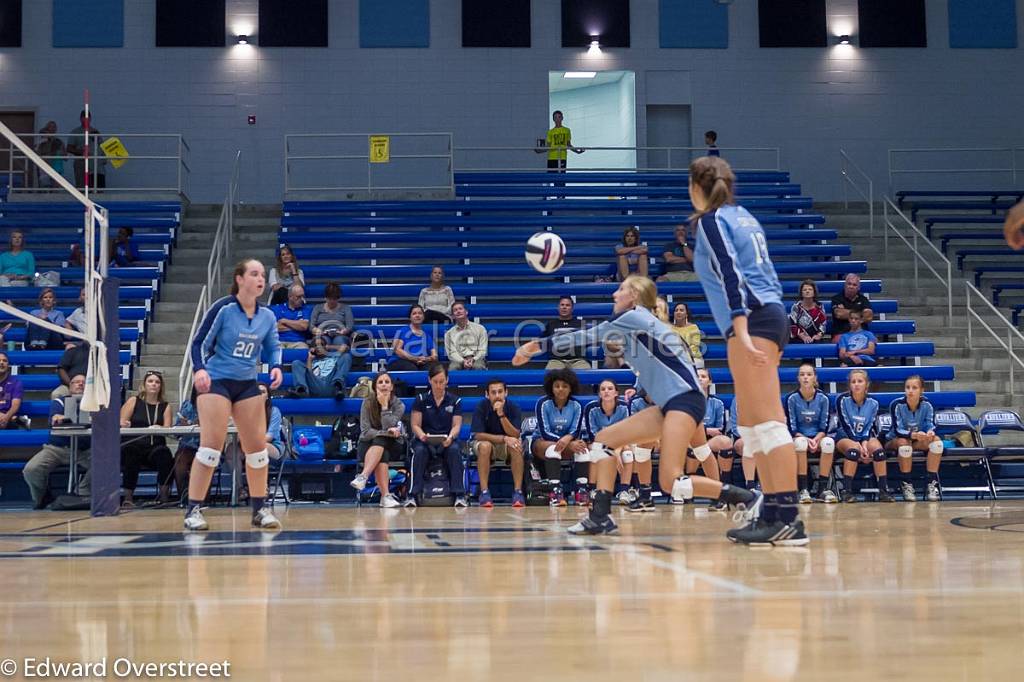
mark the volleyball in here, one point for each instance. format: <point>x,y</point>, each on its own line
<point>545,252</point>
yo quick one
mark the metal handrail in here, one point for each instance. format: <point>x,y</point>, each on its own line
<point>369,187</point>
<point>845,164</point>
<point>183,171</point>
<point>959,170</point>
<point>668,150</point>
<point>918,256</point>
<point>1011,331</point>
<point>219,253</point>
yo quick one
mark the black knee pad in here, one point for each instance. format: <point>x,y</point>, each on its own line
<point>878,455</point>
<point>690,455</point>
<point>852,455</point>
<point>726,454</point>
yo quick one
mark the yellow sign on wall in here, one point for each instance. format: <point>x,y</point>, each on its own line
<point>380,149</point>
<point>113,147</point>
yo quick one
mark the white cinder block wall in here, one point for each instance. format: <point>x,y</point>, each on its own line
<point>809,102</point>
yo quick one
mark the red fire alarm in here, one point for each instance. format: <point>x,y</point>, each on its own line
<point>252,119</point>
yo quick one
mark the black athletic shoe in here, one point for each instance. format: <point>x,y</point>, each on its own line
<point>850,498</point>
<point>885,496</point>
<point>718,506</point>
<point>775,534</point>
<point>733,534</point>
<point>641,505</point>
<point>588,526</point>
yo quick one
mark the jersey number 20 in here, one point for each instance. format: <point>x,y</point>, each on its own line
<point>243,349</point>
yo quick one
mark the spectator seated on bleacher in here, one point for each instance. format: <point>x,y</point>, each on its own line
<point>437,298</point>
<point>913,428</point>
<point>124,252</point>
<point>857,346</point>
<point>465,342</point>
<point>381,437</point>
<point>146,409</point>
<point>496,437</point>
<point>57,452</point>
<point>571,358</point>
<point>322,374</point>
<point>631,255</point>
<point>187,445</point>
<point>17,264</point>
<point>293,319</point>
<point>285,273</point>
<point>11,392</point>
<point>849,299</point>
<point>807,318</point>
<point>559,429</point>
<point>40,338</point>
<point>436,423</point>
<point>74,361</point>
<point>689,332</point>
<point>76,320</point>
<point>333,319</point>
<point>678,257</point>
<point>413,347</point>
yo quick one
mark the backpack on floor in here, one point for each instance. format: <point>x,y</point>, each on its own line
<point>436,489</point>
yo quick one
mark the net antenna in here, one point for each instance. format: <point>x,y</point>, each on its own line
<point>97,387</point>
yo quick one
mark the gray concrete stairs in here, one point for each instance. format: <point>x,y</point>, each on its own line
<point>981,365</point>
<point>255,236</point>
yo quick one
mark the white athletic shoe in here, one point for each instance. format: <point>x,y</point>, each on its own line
<point>196,521</point>
<point>359,482</point>
<point>933,493</point>
<point>805,496</point>
<point>907,490</point>
<point>389,501</point>
<point>264,519</point>
<point>626,496</point>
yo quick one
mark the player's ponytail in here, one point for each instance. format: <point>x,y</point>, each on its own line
<point>716,181</point>
<point>645,289</point>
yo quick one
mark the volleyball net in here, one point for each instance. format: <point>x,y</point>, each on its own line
<point>96,226</point>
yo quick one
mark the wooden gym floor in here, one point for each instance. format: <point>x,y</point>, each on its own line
<point>899,591</point>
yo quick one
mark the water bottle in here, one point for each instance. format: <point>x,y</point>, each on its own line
<point>303,440</point>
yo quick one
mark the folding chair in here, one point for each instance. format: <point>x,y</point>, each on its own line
<point>949,422</point>
<point>280,465</point>
<point>996,421</point>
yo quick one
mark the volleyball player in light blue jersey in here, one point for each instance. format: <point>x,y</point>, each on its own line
<point>664,369</point>
<point>731,260</point>
<point>234,336</point>
<point>857,437</point>
<point>607,409</point>
<point>807,410</point>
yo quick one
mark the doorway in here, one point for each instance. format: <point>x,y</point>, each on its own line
<point>600,109</point>
<point>668,125</point>
<point>24,124</point>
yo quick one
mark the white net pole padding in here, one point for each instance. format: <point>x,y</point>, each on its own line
<point>97,390</point>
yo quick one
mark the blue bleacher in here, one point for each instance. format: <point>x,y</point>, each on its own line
<point>588,253</point>
<point>353,292</point>
<point>524,271</point>
<point>677,178</point>
<point>295,208</point>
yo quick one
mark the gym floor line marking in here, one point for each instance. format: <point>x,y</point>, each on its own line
<point>54,525</point>
<point>221,601</point>
<point>724,583</point>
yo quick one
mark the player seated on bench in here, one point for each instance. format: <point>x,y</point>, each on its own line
<point>559,430</point>
<point>496,436</point>
<point>436,423</point>
<point>57,452</point>
<point>856,437</point>
<point>913,428</point>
